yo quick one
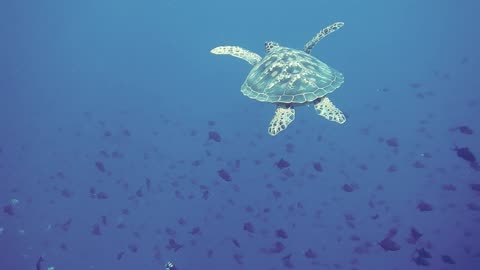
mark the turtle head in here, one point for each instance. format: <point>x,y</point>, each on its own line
<point>270,45</point>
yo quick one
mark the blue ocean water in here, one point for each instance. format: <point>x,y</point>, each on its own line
<point>125,144</point>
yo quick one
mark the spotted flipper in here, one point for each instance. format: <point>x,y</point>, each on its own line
<point>250,57</point>
<point>325,32</point>
<point>324,107</point>
<point>284,115</point>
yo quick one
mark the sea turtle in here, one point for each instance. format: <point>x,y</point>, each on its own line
<point>289,78</point>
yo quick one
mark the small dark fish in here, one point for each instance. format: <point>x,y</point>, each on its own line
<point>196,163</point>
<point>424,206</point>
<point>100,166</point>
<point>473,206</point>
<point>210,253</point>
<point>391,233</point>
<point>215,136</point>
<point>447,259</point>
<point>281,164</point>
<point>389,245</point>
<point>300,205</point>
<point>92,192</point>
<point>249,209</point>
<point>418,164</point>
<point>278,247</point>
<point>424,253</point>
<point>96,229</point>
<point>421,261</point>
<point>66,193</point>
<point>289,148</point>
<point>414,236</point>
<point>392,168</point>
<point>426,155</point>
<point>173,245</point>
<point>120,255</point>
<point>182,221</point>
<point>63,247</point>
<point>355,238</point>
<point>205,195</point>
<point>238,258</point>
<point>179,195</point>
<point>170,231</point>
<point>247,226</point>
<point>133,248</point>
<point>104,220</point>
<point>310,254</point>
<point>449,187</point>
<point>277,194</point>
<point>287,261</point>
<point>237,164</point>
<point>392,142</point>
<point>317,166</point>
<point>475,187</point>
<point>148,183</point>
<point>66,225</point>
<point>8,209</point>
<point>281,234</point>
<point>38,265</point>
<point>104,154</point>
<point>224,175</point>
<point>116,154</point>
<point>415,85</point>
<point>363,167</point>
<point>348,188</point>
<point>236,243</point>
<point>102,195</point>
<point>465,153</point>
<point>288,172</point>
<point>195,231</point>
<point>463,129</point>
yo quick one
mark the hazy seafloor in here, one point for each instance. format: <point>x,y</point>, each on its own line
<point>125,144</point>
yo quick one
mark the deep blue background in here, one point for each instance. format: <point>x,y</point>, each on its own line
<point>73,72</point>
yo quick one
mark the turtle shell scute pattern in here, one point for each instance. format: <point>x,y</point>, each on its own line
<point>290,76</point>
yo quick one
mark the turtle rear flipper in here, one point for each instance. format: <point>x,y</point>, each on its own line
<point>284,115</point>
<point>324,107</point>
<point>320,35</point>
<point>235,51</point>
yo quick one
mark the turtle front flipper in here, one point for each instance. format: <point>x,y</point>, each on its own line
<point>250,57</point>
<point>325,32</point>
<point>284,115</point>
<point>324,107</point>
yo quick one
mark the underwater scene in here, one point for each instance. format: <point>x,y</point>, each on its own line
<point>213,135</point>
